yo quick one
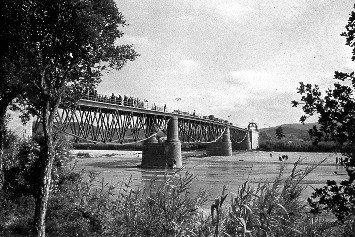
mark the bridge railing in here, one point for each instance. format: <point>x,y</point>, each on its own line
<point>144,104</point>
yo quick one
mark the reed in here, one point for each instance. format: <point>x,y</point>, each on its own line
<point>273,209</point>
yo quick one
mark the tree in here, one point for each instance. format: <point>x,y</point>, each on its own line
<point>279,132</point>
<point>66,45</point>
<point>336,118</point>
<point>10,60</point>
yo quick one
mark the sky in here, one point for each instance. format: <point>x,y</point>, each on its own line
<point>240,60</point>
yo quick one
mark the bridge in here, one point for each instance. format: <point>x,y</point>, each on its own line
<point>102,119</point>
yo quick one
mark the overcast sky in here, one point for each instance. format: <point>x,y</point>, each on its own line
<point>240,60</point>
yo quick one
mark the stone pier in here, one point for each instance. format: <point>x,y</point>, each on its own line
<point>165,154</point>
<point>221,148</point>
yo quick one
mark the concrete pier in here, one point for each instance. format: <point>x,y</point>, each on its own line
<point>166,154</point>
<point>222,148</point>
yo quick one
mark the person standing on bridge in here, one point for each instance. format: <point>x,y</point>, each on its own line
<point>112,98</point>
<point>119,100</point>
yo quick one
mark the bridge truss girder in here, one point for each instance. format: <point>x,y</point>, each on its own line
<point>108,126</point>
<point>193,131</point>
<point>123,125</point>
<point>238,135</point>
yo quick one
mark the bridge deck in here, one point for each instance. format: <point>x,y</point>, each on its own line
<point>104,106</point>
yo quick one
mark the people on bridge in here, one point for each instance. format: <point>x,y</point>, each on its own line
<point>91,94</point>
<point>119,101</point>
<point>113,98</point>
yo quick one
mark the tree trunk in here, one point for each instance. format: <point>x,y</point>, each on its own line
<point>47,156</point>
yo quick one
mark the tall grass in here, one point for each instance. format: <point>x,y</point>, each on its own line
<point>273,209</point>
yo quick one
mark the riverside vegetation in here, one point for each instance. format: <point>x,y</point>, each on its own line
<point>293,138</point>
<point>81,204</point>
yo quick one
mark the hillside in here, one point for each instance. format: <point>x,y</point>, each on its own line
<point>294,131</point>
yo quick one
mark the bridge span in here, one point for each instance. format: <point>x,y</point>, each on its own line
<point>106,122</point>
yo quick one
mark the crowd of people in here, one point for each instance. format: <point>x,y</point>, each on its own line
<point>124,101</point>
<point>143,104</point>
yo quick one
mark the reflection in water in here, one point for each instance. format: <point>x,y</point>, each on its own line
<point>214,172</point>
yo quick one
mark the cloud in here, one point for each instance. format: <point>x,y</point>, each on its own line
<point>232,10</point>
<point>287,10</point>
<point>227,9</point>
<point>350,66</point>
<point>259,81</point>
<point>187,66</point>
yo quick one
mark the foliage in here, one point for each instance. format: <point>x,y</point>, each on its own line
<point>336,117</point>
<point>339,199</point>
<point>64,46</point>
<point>11,85</point>
<point>69,44</point>
<point>279,132</point>
<point>21,166</point>
<point>296,146</point>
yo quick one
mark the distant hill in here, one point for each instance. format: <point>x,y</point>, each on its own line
<point>295,131</point>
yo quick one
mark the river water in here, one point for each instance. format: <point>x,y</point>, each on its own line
<point>212,172</point>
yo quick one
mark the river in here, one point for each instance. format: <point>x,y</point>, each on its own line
<point>212,172</point>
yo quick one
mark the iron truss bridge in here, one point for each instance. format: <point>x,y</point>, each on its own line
<point>102,122</point>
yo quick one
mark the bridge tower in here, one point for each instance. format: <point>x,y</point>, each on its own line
<point>221,148</point>
<point>164,154</point>
<point>254,135</point>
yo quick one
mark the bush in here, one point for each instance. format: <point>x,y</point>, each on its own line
<point>21,166</point>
